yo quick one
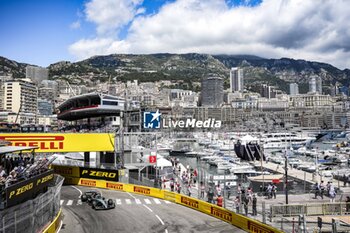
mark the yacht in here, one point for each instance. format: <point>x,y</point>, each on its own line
<point>284,140</point>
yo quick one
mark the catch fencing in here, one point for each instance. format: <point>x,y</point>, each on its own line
<point>33,215</point>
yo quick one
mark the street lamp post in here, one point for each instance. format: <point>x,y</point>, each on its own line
<point>286,176</point>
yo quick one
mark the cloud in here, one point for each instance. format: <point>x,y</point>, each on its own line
<point>301,29</point>
<point>111,15</point>
<point>75,25</point>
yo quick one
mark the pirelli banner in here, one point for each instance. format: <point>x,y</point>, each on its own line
<point>27,189</point>
<point>62,142</point>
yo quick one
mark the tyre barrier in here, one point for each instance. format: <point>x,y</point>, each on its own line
<point>240,221</point>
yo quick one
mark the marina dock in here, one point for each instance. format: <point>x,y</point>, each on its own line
<point>311,178</point>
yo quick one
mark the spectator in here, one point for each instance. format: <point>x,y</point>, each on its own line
<point>2,172</point>
<point>202,190</point>
<point>269,191</point>
<point>332,192</point>
<point>274,191</point>
<point>210,195</point>
<point>250,194</point>
<point>228,190</point>
<point>254,205</point>
<point>348,204</point>
<point>11,178</point>
<point>322,189</point>
<point>218,190</point>
<point>317,190</point>
<point>219,200</point>
<point>245,205</point>
<point>172,185</point>
<point>239,189</point>
<point>178,188</point>
<point>236,203</point>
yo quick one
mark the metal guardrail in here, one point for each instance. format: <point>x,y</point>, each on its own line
<point>314,209</point>
<point>33,215</point>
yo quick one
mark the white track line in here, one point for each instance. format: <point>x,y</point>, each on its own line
<point>161,221</point>
<point>61,224</point>
<point>61,202</point>
<point>148,202</point>
<point>157,201</point>
<point>138,201</point>
<point>118,201</point>
<point>69,202</point>
<point>128,201</point>
<point>131,195</point>
<point>148,208</point>
<point>81,193</point>
<point>166,230</point>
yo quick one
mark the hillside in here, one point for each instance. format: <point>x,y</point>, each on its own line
<point>187,68</point>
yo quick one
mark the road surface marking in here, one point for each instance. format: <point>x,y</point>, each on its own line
<point>128,201</point>
<point>118,201</point>
<point>81,193</point>
<point>61,202</point>
<point>61,224</point>
<point>131,195</point>
<point>148,202</point>
<point>161,221</point>
<point>69,202</point>
<point>157,201</point>
<point>166,230</point>
<point>167,202</point>
<point>79,202</point>
<point>138,201</point>
<point>147,208</point>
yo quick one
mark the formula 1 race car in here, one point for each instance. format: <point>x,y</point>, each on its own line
<point>97,201</point>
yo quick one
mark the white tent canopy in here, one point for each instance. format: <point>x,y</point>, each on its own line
<point>163,162</point>
<point>248,138</point>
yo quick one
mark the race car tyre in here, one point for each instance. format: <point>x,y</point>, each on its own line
<point>84,198</point>
<point>110,202</point>
<point>94,203</point>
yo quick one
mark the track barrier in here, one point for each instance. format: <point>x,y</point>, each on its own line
<point>240,221</point>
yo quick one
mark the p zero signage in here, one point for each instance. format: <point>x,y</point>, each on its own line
<point>61,142</point>
<point>99,174</point>
<point>255,227</point>
<point>28,188</point>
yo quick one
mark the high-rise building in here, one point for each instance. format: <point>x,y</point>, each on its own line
<point>236,79</point>
<point>268,91</point>
<point>319,85</point>
<point>20,96</point>
<point>37,74</point>
<point>312,85</point>
<point>315,85</point>
<point>212,93</point>
<point>293,89</point>
<point>45,107</point>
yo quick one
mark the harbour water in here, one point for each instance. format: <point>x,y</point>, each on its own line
<point>208,173</point>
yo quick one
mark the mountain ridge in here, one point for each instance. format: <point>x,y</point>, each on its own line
<point>187,68</point>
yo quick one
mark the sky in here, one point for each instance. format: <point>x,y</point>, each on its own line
<point>42,32</point>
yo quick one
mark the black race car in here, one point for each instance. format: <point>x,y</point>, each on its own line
<point>97,201</point>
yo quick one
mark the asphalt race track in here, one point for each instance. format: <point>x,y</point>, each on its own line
<point>134,213</point>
